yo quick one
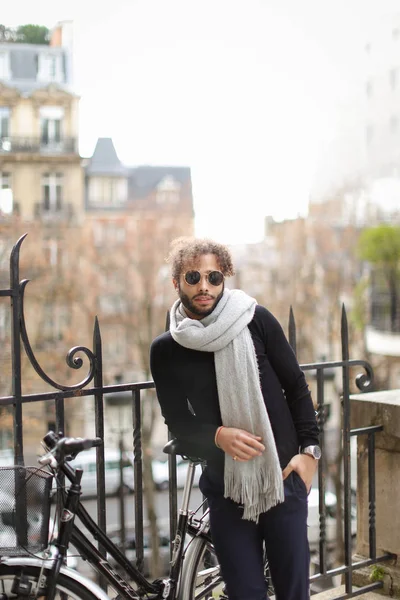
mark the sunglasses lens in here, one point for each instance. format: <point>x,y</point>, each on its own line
<point>215,278</point>
<point>192,277</point>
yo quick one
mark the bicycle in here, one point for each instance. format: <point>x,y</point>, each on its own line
<point>194,571</point>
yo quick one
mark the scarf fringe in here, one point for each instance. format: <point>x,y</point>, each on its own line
<point>257,493</point>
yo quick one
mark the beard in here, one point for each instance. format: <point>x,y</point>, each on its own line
<point>195,310</point>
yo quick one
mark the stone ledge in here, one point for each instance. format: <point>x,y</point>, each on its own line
<point>340,591</point>
<point>391,578</point>
<point>378,408</point>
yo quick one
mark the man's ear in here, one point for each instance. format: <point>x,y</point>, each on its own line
<point>176,284</point>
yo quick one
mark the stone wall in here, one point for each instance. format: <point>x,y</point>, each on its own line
<point>379,408</point>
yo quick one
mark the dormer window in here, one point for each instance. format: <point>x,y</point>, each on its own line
<point>5,71</point>
<point>168,191</point>
<point>50,67</point>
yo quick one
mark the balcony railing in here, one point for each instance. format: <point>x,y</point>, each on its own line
<point>63,212</point>
<point>12,145</point>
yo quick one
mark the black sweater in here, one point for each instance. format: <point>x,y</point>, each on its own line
<point>187,392</point>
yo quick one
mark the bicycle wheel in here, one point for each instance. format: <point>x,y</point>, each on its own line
<point>201,574</point>
<point>21,581</point>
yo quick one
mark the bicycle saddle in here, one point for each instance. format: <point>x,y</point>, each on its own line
<point>173,447</point>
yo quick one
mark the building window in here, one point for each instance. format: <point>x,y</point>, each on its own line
<point>114,343</point>
<point>168,191</point>
<point>394,124</point>
<point>6,197</point>
<point>106,233</point>
<point>51,252</point>
<point>394,78</point>
<point>5,144</point>
<point>50,67</point>
<point>4,322</point>
<point>369,89</point>
<point>108,191</point>
<point>52,192</point>
<point>50,131</point>
<point>5,181</point>
<point>5,72</point>
<point>51,118</point>
<point>4,122</point>
<point>57,319</point>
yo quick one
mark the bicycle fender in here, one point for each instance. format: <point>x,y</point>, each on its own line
<point>71,573</point>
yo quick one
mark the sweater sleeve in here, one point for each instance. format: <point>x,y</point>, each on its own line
<point>197,438</point>
<point>292,380</point>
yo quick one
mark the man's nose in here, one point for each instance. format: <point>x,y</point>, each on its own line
<point>203,283</point>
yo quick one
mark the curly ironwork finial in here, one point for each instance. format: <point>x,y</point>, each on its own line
<point>364,381</point>
<point>72,360</point>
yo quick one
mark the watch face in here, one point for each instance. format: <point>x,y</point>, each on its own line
<point>314,451</point>
<point>317,452</point>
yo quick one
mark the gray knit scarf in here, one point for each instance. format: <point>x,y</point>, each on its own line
<point>256,484</point>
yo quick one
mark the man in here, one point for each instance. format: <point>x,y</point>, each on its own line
<point>232,392</point>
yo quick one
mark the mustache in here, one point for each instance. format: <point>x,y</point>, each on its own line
<point>203,296</point>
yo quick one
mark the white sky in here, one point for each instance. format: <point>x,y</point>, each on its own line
<point>242,91</point>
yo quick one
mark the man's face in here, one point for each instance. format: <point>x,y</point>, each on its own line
<point>200,299</point>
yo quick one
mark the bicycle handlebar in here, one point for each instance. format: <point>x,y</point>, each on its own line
<point>61,449</point>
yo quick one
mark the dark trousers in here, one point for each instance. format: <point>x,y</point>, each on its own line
<point>239,543</point>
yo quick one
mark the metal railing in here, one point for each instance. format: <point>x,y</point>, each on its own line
<point>61,210</point>
<point>92,385</point>
<point>18,144</point>
<point>364,382</point>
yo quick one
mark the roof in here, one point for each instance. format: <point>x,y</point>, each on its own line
<point>144,179</point>
<point>24,62</point>
<point>105,160</point>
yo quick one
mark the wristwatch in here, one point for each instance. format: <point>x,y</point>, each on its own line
<point>314,451</point>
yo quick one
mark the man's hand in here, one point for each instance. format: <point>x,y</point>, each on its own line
<point>305,466</point>
<point>240,444</point>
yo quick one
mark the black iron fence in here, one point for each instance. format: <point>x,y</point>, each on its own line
<point>92,385</point>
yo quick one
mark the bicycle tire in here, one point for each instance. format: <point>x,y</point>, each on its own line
<point>67,588</point>
<point>201,576</point>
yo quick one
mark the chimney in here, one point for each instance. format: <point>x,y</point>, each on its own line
<point>56,36</point>
<point>62,35</point>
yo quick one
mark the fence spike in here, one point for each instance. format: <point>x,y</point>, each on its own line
<point>292,330</point>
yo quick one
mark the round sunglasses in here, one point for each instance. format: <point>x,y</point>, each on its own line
<point>214,278</point>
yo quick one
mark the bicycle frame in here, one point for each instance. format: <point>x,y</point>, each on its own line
<point>69,533</point>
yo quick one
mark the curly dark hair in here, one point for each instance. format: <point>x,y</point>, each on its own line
<point>185,250</point>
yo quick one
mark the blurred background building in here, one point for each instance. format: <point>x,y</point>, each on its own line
<point>100,229</point>
<point>99,232</point>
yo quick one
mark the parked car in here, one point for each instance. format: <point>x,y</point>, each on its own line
<point>313,517</point>
<point>161,473</point>
<point>6,457</point>
<point>87,461</point>
<point>330,519</point>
